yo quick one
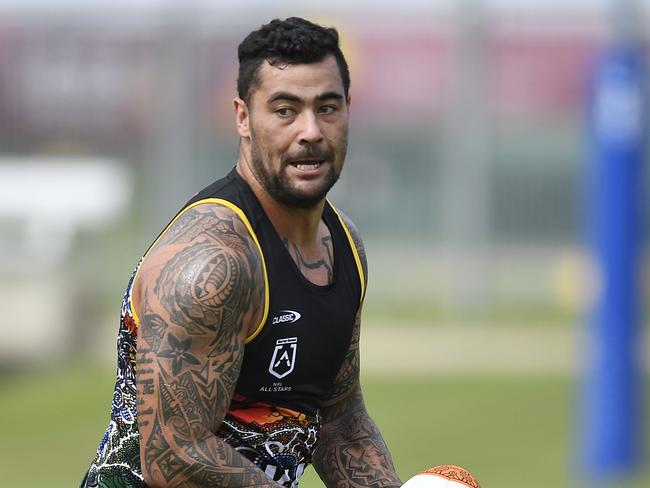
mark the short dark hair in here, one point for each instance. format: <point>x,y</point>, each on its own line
<point>291,41</point>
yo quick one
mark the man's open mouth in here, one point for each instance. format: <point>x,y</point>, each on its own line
<point>307,165</point>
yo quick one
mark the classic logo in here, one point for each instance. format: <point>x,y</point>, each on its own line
<point>284,357</point>
<point>286,317</point>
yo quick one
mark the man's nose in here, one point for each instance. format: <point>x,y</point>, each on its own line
<point>311,132</point>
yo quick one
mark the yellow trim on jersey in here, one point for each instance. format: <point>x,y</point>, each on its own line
<point>242,216</point>
<point>355,251</point>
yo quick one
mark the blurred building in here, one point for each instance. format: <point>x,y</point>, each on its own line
<point>467,144</point>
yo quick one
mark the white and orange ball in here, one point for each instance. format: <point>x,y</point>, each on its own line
<point>445,476</point>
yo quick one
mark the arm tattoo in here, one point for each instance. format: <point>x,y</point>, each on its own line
<point>351,451</point>
<point>358,243</point>
<point>348,376</point>
<point>202,287</point>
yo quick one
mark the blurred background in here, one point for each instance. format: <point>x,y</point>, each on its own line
<point>466,174</point>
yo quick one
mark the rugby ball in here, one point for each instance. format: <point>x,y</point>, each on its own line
<point>445,476</point>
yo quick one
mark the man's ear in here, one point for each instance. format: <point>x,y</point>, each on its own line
<point>242,117</point>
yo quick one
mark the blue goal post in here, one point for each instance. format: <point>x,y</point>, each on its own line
<point>611,406</point>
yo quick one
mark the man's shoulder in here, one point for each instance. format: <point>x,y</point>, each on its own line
<point>210,219</point>
<point>202,234</point>
<point>205,257</point>
<point>356,237</point>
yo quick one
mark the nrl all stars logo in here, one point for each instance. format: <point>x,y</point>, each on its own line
<point>283,359</point>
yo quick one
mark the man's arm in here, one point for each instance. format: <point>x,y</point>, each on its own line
<point>200,290</point>
<point>351,451</point>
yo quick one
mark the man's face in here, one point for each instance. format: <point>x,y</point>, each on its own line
<point>298,129</point>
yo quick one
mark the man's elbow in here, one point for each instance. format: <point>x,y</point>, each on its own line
<point>153,478</point>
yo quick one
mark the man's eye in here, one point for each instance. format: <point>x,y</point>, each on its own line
<point>284,111</point>
<point>328,109</point>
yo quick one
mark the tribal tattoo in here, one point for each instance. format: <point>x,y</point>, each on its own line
<point>202,290</point>
<point>358,243</point>
<point>351,451</point>
<point>319,270</point>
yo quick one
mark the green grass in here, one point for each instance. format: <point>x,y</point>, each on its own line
<point>509,431</point>
<point>420,313</point>
<point>51,423</point>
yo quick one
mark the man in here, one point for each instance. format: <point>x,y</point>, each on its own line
<point>238,351</point>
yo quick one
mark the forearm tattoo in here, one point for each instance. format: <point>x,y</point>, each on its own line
<point>351,451</point>
<point>203,285</point>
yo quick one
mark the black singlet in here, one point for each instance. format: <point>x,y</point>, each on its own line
<point>294,357</point>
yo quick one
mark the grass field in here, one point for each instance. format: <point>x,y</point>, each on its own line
<point>510,431</point>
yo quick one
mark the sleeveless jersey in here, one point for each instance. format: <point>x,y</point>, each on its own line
<point>290,361</point>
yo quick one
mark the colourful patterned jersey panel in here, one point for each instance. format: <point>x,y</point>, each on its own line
<point>117,461</point>
<point>278,440</point>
